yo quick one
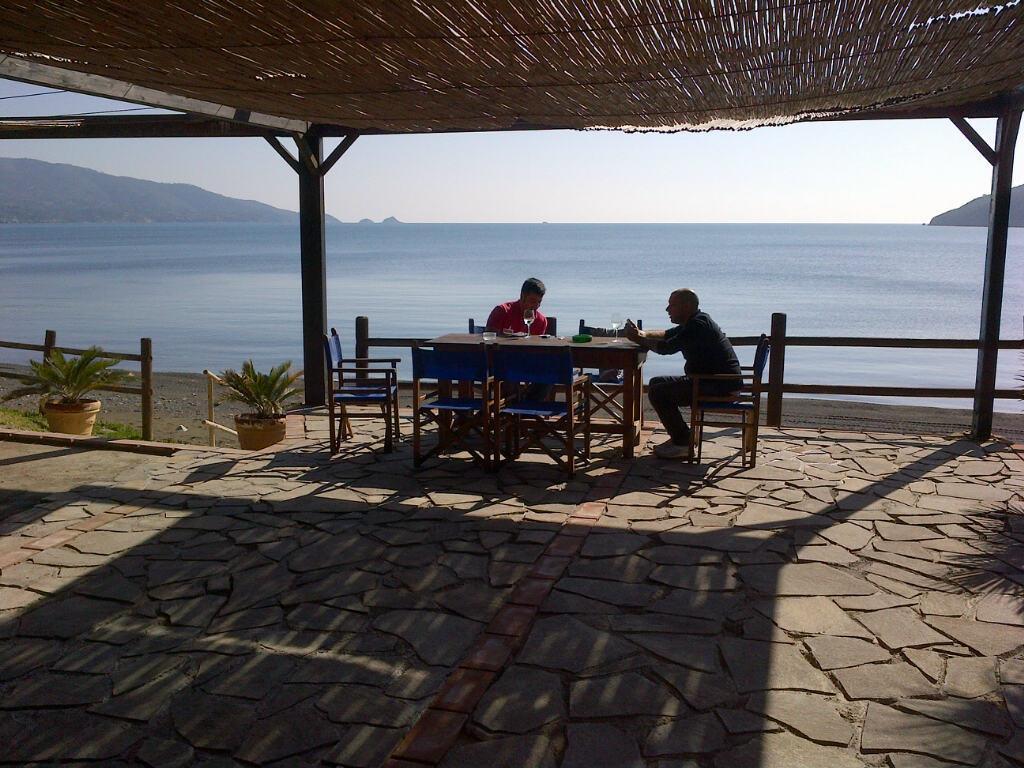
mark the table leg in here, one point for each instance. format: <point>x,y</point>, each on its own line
<point>629,399</point>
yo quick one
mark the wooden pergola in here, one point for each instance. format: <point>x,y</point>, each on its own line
<point>311,71</point>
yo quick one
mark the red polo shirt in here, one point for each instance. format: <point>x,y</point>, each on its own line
<point>510,315</point>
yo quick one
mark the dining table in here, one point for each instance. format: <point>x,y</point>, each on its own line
<point>600,353</point>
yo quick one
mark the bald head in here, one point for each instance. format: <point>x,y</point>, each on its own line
<point>687,297</point>
<point>682,305</point>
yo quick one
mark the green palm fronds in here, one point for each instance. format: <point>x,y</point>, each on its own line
<point>69,379</point>
<point>265,393</point>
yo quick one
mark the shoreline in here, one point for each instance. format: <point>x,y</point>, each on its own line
<point>180,401</point>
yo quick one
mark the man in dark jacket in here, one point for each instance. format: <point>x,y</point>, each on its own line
<point>707,350</point>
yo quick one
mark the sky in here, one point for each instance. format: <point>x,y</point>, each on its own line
<point>896,171</point>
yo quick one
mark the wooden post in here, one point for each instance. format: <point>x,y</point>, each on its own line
<point>362,336</point>
<point>211,431</point>
<point>314,266</point>
<point>49,342</point>
<point>362,339</point>
<point>776,369</point>
<point>146,351</point>
<point>995,273</point>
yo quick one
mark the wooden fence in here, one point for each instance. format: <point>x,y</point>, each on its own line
<point>777,385</point>
<point>144,358</point>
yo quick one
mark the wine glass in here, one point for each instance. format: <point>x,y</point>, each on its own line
<point>616,321</point>
<point>528,317</point>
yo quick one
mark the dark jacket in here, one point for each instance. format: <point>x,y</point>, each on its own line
<point>704,345</point>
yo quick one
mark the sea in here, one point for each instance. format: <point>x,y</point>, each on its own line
<point>214,295</point>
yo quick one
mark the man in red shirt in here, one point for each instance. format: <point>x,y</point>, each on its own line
<point>510,314</point>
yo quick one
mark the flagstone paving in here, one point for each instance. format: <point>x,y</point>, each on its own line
<point>855,599</point>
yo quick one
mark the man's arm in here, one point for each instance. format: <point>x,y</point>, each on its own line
<point>647,339</point>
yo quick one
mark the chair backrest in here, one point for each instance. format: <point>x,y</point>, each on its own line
<point>335,355</point>
<point>597,331</point>
<point>467,364</point>
<point>761,356</point>
<point>474,328</point>
<point>537,365</point>
<point>330,353</point>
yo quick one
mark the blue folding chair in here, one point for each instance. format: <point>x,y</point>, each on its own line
<point>533,421</point>
<point>744,403</point>
<point>353,381</point>
<point>458,417</point>
<point>474,328</point>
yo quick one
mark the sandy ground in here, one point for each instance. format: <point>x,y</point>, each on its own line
<point>180,408</point>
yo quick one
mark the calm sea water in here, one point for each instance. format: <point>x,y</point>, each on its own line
<point>212,295</point>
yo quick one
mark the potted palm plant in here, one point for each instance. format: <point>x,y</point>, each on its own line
<point>266,394</point>
<point>62,384</point>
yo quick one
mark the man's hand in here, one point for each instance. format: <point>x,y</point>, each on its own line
<point>632,332</point>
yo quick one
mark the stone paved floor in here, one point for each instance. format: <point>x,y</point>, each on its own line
<point>854,600</point>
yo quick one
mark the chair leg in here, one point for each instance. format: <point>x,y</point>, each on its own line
<point>345,425</point>
<point>586,426</point>
<point>570,443</point>
<point>753,439</point>
<point>331,430</point>
<point>417,458</point>
<point>389,445</point>
<point>394,411</point>
<point>695,422</point>
<point>700,441</point>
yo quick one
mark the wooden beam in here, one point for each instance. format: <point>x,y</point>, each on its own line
<point>15,68</point>
<point>284,153</point>
<point>313,261</point>
<point>972,136</point>
<point>127,127</point>
<point>307,157</point>
<point>995,273</point>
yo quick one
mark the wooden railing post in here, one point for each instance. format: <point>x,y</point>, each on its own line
<point>146,352</point>
<point>362,338</point>
<point>49,342</point>
<point>211,416</point>
<point>776,369</point>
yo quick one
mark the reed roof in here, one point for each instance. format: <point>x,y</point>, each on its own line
<point>427,65</point>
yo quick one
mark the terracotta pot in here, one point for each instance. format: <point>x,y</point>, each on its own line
<point>255,433</point>
<point>72,418</point>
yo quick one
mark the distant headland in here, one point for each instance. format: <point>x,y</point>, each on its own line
<point>388,220</point>
<point>975,213</point>
<point>36,192</point>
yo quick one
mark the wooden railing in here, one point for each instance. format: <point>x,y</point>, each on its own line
<point>144,359</point>
<point>777,385</point>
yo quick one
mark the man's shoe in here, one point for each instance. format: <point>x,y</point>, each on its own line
<point>671,450</point>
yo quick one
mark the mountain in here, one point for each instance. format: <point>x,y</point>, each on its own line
<point>35,192</point>
<point>975,213</point>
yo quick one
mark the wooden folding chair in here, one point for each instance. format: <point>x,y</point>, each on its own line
<point>744,404</point>
<point>533,421</point>
<point>355,381</point>
<point>608,388</point>
<point>458,417</point>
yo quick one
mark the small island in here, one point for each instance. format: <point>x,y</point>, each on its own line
<point>388,220</point>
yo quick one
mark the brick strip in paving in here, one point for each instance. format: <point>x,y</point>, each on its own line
<point>439,727</point>
<point>31,547</point>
